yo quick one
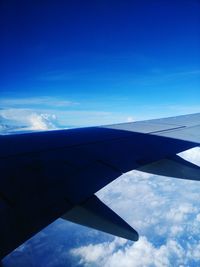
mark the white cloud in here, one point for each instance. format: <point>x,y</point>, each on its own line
<point>140,254</point>
<point>130,119</point>
<point>41,121</point>
<point>180,212</point>
<point>26,120</point>
<point>194,252</point>
<point>198,217</point>
<point>192,155</point>
<point>98,252</point>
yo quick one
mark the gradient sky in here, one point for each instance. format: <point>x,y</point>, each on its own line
<point>129,57</point>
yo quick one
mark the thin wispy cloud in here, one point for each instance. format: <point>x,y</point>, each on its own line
<point>36,101</point>
<point>158,76</point>
<point>185,73</point>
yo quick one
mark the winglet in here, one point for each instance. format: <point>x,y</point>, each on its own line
<point>94,213</point>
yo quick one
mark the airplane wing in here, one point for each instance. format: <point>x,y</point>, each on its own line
<point>47,175</point>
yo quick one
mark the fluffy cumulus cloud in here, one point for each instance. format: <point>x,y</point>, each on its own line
<point>41,121</point>
<point>12,120</point>
<point>141,253</point>
<point>31,114</point>
<point>166,213</point>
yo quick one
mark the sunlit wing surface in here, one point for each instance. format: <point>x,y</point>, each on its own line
<point>47,175</point>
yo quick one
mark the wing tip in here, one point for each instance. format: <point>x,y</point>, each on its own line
<point>130,234</point>
<point>136,236</point>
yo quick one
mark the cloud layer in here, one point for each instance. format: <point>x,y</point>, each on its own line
<point>166,213</point>
<point>46,113</point>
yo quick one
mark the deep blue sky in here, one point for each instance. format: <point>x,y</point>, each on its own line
<point>106,55</point>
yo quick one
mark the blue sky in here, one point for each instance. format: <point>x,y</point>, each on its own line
<point>78,63</point>
<point>128,58</point>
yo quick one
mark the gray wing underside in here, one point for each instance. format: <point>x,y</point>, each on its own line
<point>48,174</point>
<point>185,127</point>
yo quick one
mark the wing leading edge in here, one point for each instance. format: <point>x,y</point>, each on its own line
<point>45,175</point>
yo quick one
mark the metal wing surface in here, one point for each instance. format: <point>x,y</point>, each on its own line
<point>47,175</point>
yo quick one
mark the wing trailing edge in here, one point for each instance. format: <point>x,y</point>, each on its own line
<point>95,214</point>
<point>173,167</point>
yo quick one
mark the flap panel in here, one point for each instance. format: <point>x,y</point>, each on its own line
<point>173,167</point>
